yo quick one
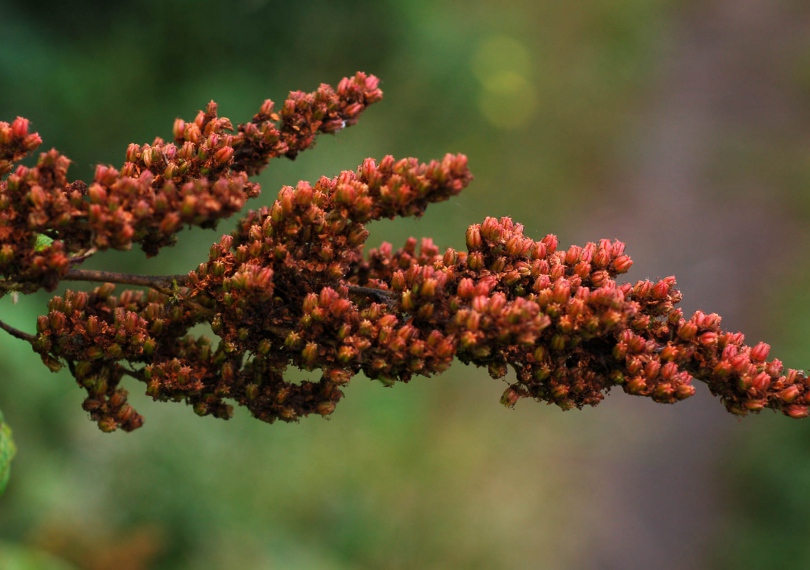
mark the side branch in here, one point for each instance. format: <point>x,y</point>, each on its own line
<point>382,295</point>
<point>159,282</point>
<point>17,333</point>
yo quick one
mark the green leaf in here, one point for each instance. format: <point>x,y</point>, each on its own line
<point>7,451</point>
<point>43,242</point>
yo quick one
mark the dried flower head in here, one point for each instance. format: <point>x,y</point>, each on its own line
<point>291,286</point>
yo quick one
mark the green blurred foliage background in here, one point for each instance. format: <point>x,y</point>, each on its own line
<point>550,101</point>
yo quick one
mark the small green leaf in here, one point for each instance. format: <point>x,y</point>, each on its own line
<point>7,451</point>
<point>43,242</point>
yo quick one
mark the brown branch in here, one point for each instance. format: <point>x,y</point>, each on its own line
<point>82,256</point>
<point>159,282</point>
<point>383,295</point>
<point>137,374</point>
<point>17,333</point>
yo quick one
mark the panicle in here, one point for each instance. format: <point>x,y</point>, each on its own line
<point>292,286</point>
<point>198,179</point>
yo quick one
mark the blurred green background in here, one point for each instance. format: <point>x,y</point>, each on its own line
<point>680,127</point>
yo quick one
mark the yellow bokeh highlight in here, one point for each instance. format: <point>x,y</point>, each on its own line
<point>508,97</point>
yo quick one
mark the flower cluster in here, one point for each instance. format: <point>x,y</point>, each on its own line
<point>200,178</point>
<point>291,286</point>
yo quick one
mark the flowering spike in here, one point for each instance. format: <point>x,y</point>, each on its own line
<point>293,286</point>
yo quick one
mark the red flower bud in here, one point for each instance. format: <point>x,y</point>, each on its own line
<point>19,127</point>
<point>325,408</point>
<point>663,393</point>
<point>550,241</point>
<point>38,196</point>
<point>755,405</point>
<point>761,382</point>
<point>660,290</point>
<point>572,255</point>
<point>652,369</point>
<point>475,261</point>
<point>310,353</point>
<point>223,155</point>
<point>170,223</point>
<point>510,397</point>
<point>687,330</point>
<point>789,394</point>
<point>31,142</point>
<point>57,320</point>
<point>516,246</point>
<point>796,411</point>
<point>561,292</point>
<point>43,324</point>
<point>760,352</point>
<point>6,134</point>
<point>148,155</point>
<point>708,339</point>
<point>178,129</point>
<point>491,230</point>
<point>635,386</point>
<point>622,264</point>
<point>684,391</point>
<point>474,240</point>
<point>107,425</point>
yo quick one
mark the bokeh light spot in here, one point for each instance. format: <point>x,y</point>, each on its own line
<point>508,98</point>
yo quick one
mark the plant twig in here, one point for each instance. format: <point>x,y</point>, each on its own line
<point>17,332</point>
<point>137,374</point>
<point>385,296</point>
<point>82,256</point>
<point>159,282</point>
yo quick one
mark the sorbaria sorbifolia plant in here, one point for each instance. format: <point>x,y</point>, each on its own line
<point>291,286</point>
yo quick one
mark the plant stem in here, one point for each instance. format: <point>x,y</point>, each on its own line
<point>17,333</point>
<point>82,256</point>
<point>137,374</point>
<point>387,297</point>
<point>160,282</point>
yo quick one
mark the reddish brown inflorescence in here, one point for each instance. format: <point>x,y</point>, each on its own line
<point>196,180</point>
<point>291,286</point>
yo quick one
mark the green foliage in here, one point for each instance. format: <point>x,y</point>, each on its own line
<point>7,451</point>
<point>43,242</point>
<point>15,557</point>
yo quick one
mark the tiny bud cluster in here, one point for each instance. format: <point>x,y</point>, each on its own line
<point>197,180</point>
<point>292,286</point>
